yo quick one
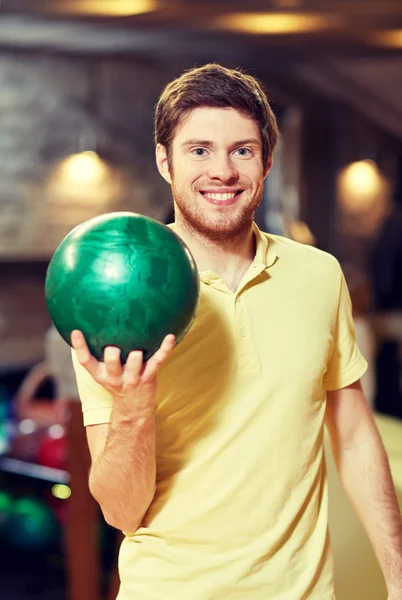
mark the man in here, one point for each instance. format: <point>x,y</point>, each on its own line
<point>210,456</point>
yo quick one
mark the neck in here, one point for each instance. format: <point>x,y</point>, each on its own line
<point>228,258</point>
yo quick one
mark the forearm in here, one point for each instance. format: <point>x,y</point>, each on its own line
<point>122,479</point>
<point>364,470</point>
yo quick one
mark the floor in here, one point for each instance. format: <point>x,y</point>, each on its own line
<point>23,588</point>
<point>26,577</point>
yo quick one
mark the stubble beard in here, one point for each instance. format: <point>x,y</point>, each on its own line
<point>223,229</point>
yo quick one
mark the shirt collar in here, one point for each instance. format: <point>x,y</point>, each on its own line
<point>265,255</point>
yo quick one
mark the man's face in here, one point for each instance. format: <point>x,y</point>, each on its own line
<point>217,172</point>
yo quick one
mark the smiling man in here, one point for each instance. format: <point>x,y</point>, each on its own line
<point>210,456</point>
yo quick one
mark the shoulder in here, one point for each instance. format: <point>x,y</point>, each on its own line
<point>301,256</point>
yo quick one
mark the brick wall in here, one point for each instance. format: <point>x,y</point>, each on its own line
<point>49,107</point>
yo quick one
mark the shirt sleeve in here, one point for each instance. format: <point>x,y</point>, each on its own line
<point>346,363</point>
<point>96,401</point>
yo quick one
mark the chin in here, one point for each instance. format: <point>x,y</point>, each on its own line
<point>224,231</point>
<point>230,224</point>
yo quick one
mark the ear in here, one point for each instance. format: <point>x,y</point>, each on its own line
<point>268,165</point>
<point>162,163</point>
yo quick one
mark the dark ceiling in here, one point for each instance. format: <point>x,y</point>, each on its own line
<point>351,49</point>
<point>363,24</point>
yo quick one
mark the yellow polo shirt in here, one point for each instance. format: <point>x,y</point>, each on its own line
<point>240,509</point>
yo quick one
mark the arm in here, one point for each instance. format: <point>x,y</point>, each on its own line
<point>122,477</point>
<point>364,470</point>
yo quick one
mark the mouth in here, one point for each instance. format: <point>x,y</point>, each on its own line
<point>223,198</point>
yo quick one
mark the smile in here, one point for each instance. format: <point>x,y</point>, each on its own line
<point>221,198</point>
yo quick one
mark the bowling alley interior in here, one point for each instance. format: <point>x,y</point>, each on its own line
<point>79,85</point>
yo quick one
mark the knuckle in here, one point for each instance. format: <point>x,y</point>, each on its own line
<point>85,360</point>
<point>99,376</point>
<point>111,360</point>
<point>136,355</point>
<point>159,360</point>
<point>99,379</point>
<point>132,380</point>
<point>148,379</point>
<point>112,355</point>
<point>114,383</point>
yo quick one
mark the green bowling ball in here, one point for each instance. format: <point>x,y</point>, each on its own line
<point>124,280</point>
<point>31,524</point>
<point>6,507</point>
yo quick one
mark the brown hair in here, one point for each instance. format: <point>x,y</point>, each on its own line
<point>214,86</point>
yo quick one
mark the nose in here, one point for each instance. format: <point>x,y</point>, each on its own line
<point>222,168</point>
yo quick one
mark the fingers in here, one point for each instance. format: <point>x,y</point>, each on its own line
<point>111,371</point>
<point>111,358</point>
<point>84,356</point>
<point>160,356</point>
<point>133,368</point>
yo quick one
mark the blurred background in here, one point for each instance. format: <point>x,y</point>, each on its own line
<point>79,82</point>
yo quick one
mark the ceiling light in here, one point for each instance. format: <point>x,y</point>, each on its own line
<point>83,180</point>
<point>360,185</point>
<point>114,8</point>
<point>275,23</point>
<point>362,177</point>
<point>86,167</point>
<point>392,39</point>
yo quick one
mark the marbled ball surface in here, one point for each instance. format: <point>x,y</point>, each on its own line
<point>125,280</point>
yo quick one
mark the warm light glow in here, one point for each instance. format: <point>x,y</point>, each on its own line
<point>275,23</point>
<point>361,178</point>
<point>360,184</point>
<point>112,8</point>
<point>61,491</point>
<point>392,39</point>
<point>84,168</point>
<point>364,197</point>
<point>300,232</point>
<point>83,180</point>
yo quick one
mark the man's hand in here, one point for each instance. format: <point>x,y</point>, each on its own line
<point>133,387</point>
<point>123,472</point>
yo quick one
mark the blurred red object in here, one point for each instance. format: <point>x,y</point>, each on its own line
<point>52,451</point>
<point>45,412</point>
<point>27,440</point>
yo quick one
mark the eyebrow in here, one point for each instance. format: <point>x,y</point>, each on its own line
<point>197,142</point>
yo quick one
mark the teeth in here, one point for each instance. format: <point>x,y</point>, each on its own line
<point>220,197</point>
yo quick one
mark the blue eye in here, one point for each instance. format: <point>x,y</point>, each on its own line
<point>198,151</point>
<point>243,151</point>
